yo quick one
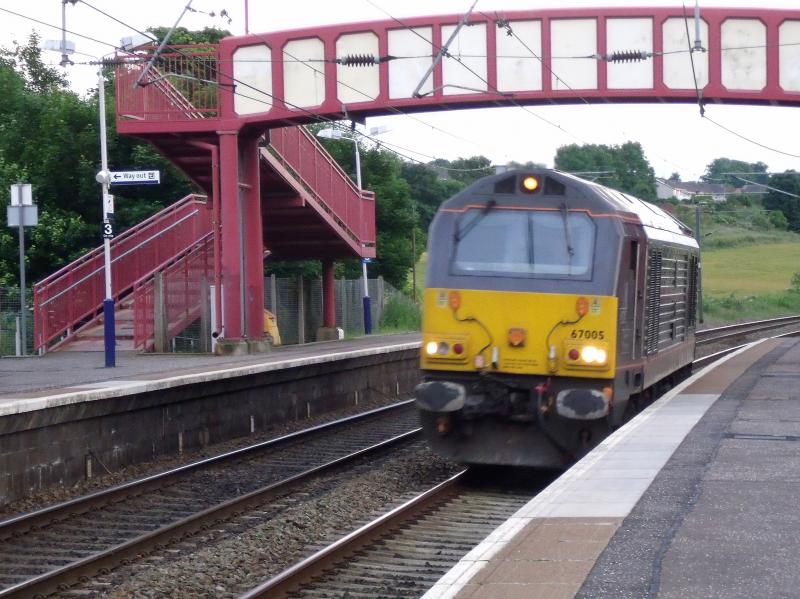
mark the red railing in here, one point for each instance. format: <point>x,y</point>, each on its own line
<point>180,86</point>
<point>183,293</point>
<point>299,151</point>
<point>73,296</point>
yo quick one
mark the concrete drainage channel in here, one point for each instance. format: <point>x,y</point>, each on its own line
<point>63,445</point>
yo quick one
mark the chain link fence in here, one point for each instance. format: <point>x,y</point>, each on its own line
<point>10,340</point>
<point>297,306</point>
<point>295,302</point>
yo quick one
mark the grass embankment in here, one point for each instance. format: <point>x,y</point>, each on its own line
<point>747,282</point>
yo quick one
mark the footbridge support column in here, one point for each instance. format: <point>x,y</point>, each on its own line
<point>328,329</point>
<point>242,246</point>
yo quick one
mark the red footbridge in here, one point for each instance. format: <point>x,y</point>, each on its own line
<point>231,117</point>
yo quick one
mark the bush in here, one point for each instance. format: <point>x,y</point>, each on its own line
<point>760,221</point>
<point>795,285</point>
<point>400,314</point>
<point>778,220</point>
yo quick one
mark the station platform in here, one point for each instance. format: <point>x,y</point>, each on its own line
<point>60,378</point>
<point>695,497</point>
<point>64,415</point>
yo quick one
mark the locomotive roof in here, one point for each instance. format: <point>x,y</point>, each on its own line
<point>558,188</point>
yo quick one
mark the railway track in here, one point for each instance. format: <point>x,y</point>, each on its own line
<point>48,550</point>
<point>405,551</point>
<point>714,335</point>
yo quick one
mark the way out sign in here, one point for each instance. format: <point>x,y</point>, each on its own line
<point>135,177</point>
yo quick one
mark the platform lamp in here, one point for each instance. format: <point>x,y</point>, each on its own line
<point>103,177</point>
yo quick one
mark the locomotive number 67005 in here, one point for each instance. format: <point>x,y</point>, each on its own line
<point>552,305</point>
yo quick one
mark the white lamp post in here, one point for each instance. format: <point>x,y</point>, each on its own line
<point>104,178</point>
<point>331,133</point>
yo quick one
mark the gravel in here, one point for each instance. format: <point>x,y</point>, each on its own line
<point>249,549</point>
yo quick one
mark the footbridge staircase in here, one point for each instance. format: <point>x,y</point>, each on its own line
<point>309,207</point>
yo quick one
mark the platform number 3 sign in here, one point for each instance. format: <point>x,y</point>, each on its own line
<point>108,229</point>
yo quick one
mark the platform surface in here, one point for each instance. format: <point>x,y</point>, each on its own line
<point>61,378</point>
<point>695,497</point>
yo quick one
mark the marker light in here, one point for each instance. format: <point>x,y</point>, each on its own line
<point>431,348</point>
<point>458,349</point>
<point>516,337</point>
<point>454,300</point>
<point>582,306</point>
<point>530,184</point>
<point>574,354</point>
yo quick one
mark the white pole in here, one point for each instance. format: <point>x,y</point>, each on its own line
<point>109,332</point>
<point>22,285</point>
<point>358,165</point>
<point>367,311</point>
<point>104,168</point>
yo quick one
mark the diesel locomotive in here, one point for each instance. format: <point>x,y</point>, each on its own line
<point>553,305</point>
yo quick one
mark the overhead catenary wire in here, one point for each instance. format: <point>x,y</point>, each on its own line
<point>310,114</point>
<point>58,27</point>
<point>317,117</point>
<point>506,24</point>
<point>507,95</point>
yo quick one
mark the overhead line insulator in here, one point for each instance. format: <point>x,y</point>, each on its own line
<point>627,56</point>
<point>362,60</point>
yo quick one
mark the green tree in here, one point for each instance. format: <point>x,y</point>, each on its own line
<point>628,168</point>
<point>428,190</point>
<point>718,171</point>
<point>49,138</point>
<point>788,205</point>
<point>465,170</point>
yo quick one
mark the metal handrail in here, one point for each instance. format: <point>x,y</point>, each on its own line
<point>122,236</point>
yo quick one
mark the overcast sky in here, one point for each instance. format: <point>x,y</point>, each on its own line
<point>674,137</point>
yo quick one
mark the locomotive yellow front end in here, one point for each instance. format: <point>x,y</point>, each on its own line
<point>515,377</point>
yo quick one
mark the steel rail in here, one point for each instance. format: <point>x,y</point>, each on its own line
<point>706,360</point>
<point>305,570</point>
<point>100,563</point>
<point>707,336</point>
<point>80,505</point>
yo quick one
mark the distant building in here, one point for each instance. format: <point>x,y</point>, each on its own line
<point>686,190</point>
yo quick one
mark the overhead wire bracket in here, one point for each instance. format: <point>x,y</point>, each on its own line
<point>443,51</point>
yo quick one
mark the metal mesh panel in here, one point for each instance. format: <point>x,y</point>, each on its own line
<point>284,303</point>
<point>9,313</point>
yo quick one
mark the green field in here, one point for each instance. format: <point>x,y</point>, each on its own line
<point>750,269</point>
<point>748,282</point>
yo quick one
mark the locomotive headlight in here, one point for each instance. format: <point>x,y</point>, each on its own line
<point>530,184</point>
<point>444,347</point>
<point>594,355</point>
<point>431,348</point>
<point>588,354</point>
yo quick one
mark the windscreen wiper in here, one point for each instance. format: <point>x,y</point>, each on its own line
<point>460,234</point>
<point>565,217</point>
